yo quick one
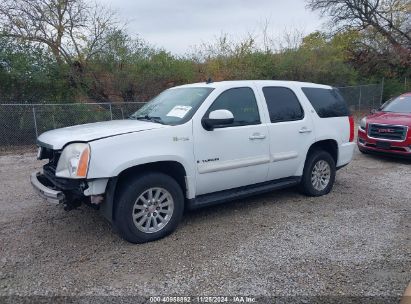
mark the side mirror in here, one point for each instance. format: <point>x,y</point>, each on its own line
<point>373,111</point>
<point>216,119</point>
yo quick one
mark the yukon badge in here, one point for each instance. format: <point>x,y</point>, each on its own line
<point>210,160</point>
<point>175,138</point>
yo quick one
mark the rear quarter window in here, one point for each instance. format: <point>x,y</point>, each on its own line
<point>327,102</point>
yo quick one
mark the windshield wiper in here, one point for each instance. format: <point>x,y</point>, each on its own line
<point>150,118</point>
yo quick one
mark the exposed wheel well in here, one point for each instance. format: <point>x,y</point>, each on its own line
<point>170,168</point>
<point>328,145</point>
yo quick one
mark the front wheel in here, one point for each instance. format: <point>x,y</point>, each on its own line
<point>149,207</point>
<point>319,173</point>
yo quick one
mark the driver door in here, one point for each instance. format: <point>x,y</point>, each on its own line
<point>232,155</point>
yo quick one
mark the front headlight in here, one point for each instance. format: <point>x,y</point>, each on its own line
<point>363,123</point>
<point>73,162</point>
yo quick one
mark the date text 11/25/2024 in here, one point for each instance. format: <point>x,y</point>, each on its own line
<point>202,299</point>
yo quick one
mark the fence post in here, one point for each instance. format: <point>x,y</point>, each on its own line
<point>35,122</point>
<point>111,113</point>
<point>359,99</point>
<point>382,91</point>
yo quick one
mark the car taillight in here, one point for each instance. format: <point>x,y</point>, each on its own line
<point>351,120</point>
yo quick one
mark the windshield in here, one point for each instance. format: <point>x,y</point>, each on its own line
<point>401,104</point>
<point>173,106</point>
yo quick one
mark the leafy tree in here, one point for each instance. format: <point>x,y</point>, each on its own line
<point>382,43</point>
<point>73,30</point>
<point>28,73</point>
<point>389,18</point>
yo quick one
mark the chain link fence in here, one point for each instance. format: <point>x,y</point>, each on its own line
<point>363,98</point>
<point>20,124</point>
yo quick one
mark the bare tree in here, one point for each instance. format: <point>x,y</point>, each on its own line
<point>389,18</point>
<point>72,29</point>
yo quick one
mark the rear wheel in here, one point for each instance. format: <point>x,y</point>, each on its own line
<point>319,173</point>
<point>149,207</point>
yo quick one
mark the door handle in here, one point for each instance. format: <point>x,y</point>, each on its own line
<point>304,130</point>
<point>257,136</point>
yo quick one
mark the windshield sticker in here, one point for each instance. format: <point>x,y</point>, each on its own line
<point>179,111</point>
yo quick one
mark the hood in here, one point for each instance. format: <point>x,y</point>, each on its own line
<point>390,118</point>
<point>57,139</point>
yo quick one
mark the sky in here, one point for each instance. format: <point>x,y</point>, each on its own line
<point>179,25</point>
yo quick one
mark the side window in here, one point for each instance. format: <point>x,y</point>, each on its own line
<point>241,102</point>
<point>283,104</point>
<point>327,102</point>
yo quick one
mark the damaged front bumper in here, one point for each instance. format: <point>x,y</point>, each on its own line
<point>44,189</point>
<point>68,192</point>
<point>98,193</point>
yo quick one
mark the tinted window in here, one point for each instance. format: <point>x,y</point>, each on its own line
<point>327,102</point>
<point>282,104</point>
<point>400,104</point>
<point>241,102</point>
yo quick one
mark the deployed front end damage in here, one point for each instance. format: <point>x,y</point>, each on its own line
<point>63,179</point>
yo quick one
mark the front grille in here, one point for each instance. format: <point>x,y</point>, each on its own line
<point>49,169</point>
<point>388,132</point>
<point>54,159</point>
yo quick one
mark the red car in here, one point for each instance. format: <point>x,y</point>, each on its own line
<point>388,130</point>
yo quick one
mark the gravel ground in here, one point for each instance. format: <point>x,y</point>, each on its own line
<point>352,242</point>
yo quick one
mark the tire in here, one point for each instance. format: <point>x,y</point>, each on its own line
<point>318,162</point>
<point>135,211</point>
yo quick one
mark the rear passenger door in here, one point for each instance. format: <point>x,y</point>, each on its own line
<point>290,129</point>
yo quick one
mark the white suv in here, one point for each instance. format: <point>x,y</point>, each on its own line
<point>197,145</point>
